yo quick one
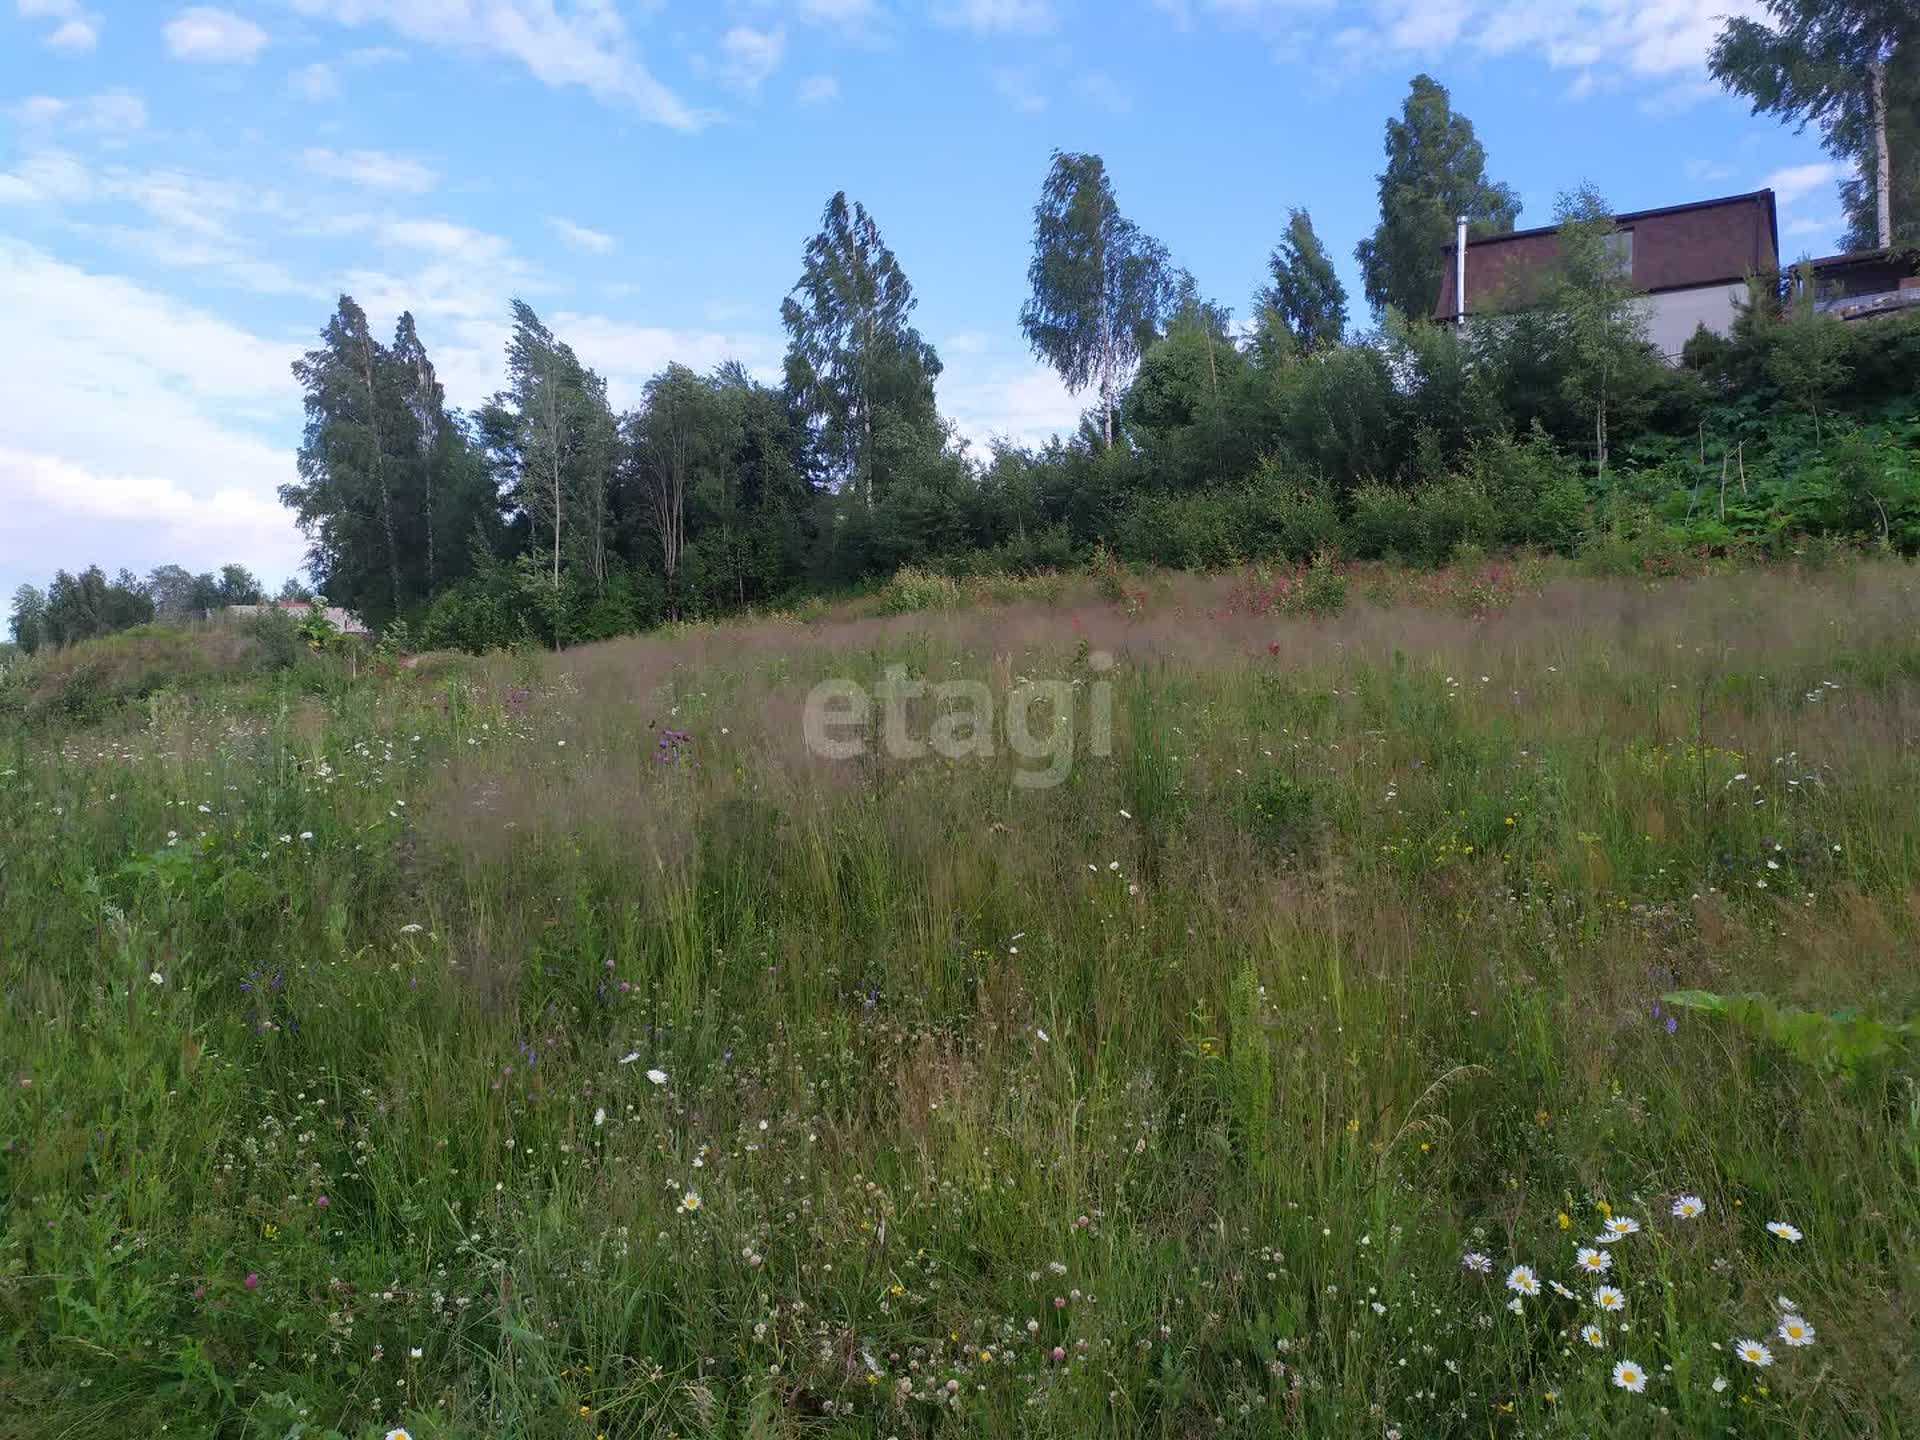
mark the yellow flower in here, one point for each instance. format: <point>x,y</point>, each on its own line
<point>1604,1208</point>
<point>1563,1220</point>
<point>585,1413</point>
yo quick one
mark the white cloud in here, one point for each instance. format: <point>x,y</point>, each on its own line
<point>317,82</point>
<point>847,14</point>
<point>76,36</point>
<point>629,355</point>
<point>819,90</point>
<point>998,17</point>
<point>46,177</point>
<point>1795,181</point>
<point>1017,90</point>
<point>1020,401</point>
<point>751,56</point>
<point>580,43</point>
<point>109,113</point>
<point>372,169</point>
<point>1100,89</point>
<point>375,55</point>
<point>138,430</point>
<point>1816,225</point>
<point>37,110</point>
<point>594,242</point>
<point>210,36</point>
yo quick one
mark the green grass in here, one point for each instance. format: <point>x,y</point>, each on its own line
<point>1163,1102</point>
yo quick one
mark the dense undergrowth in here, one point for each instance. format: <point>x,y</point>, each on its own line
<point>556,1046</point>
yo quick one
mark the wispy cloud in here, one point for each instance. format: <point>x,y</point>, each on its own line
<point>580,237</point>
<point>1794,181</point>
<point>373,169</point>
<point>818,90</point>
<point>206,35</point>
<point>749,56</point>
<point>585,46</point>
<point>998,17</point>
<point>317,82</point>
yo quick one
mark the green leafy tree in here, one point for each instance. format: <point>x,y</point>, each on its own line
<point>1436,171</point>
<point>294,588</point>
<point>28,621</point>
<point>855,365</point>
<point>237,585</point>
<point>1809,357</point>
<point>79,607</point>
<point>1305,293</point>
<point>1828,62</point>
<point>556,432</point>
<point>1100,286</point>
<point>1599,315</point>
<point>1860,191</point>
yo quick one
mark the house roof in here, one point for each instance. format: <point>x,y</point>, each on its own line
<point>1675,247</point>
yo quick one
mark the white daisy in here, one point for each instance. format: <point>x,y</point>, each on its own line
<point>1522,1281</point>
<point>1559,1289</point>
<point>1784,1230</point>
<point>1594,1262</point>
<point>1753,1352</point>
<point>1473,1260</point>
<point>1609,1299</point>
<point>1515,1306</point>
<point>1795,1331</point>
<point>658,1077</point>
<point>690,1202</point>
<point>1719,1384</point>
<point>1593,1336</point>
<point>1689,1207</point>
<point>398,1434</point>
<point>1629,1376</point>
<point>1621,1225</point>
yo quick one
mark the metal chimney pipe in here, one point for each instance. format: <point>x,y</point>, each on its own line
<point>1460,272</point>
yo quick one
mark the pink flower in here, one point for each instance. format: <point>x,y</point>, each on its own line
<point>323,1202</point>
<point>252,1282</point>
<point>1058,1354</point>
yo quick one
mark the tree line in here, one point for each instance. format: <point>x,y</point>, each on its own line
<point>546,515</point>
<point>76,607</point>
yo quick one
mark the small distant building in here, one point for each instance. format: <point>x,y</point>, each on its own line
<point>1692,261</point>
<point>343,621</point>
<point>1866,283</point>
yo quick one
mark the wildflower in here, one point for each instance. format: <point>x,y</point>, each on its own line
<point>599,1116</point>
<point>1563,1220</point>
<point>398,1434</point>
<point>1476,1262</point>
<point>1754,1353</point>
<point>1609,1299</point>
<point>414,1352</point>
<point>1594,1262</point>
<point>157,978</point>
<point>1784,1231</point>
<point>1621,1225</point>
<point>252,1282</point>
<point>323,1202</point>
<point>1514,1305</point>
<point>1593,1336</point>
<point>1687,1207</point>
<point>1795,1331</point>
<point>690,1202</point>
<point>630,1057</point>
<point>1560,1290</point>
<point>411,929</point>
<point>1522,1281</point>
<point>1629,1376</point>
<point>657,1077</point>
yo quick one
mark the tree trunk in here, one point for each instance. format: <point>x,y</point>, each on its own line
<point>380,469</point>
<point>1883,172</point>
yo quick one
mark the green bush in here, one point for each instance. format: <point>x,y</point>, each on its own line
<point>1385,524</point>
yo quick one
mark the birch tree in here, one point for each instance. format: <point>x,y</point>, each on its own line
<point>1100,286</point>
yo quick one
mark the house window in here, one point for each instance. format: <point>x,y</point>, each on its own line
<point>1620,248</point>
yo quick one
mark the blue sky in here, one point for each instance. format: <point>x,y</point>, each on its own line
<point>185,189</point>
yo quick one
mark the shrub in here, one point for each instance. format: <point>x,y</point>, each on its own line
<point>1385,524</point>
<point>912,590</point>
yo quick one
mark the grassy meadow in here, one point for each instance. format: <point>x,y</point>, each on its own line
<point>557,1046</point>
